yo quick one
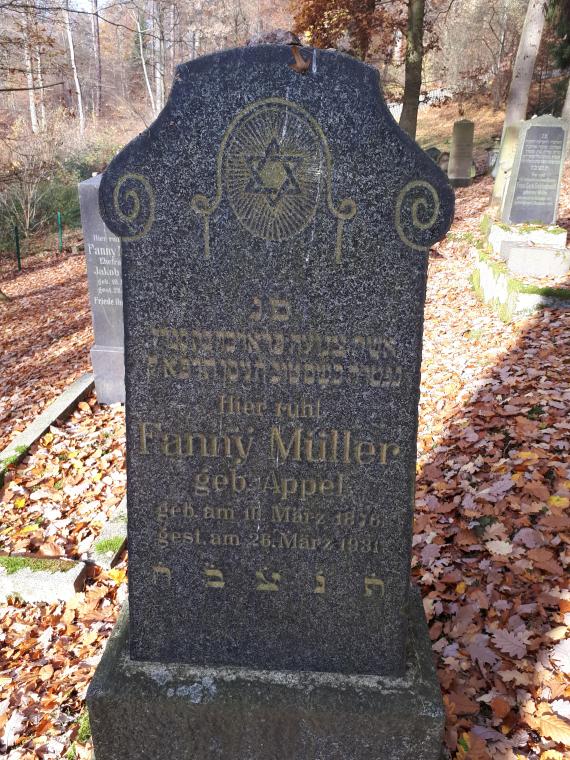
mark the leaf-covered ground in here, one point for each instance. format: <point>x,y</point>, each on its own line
<point>492,526</point>
<point>45,335</point>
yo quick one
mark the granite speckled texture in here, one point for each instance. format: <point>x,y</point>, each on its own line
<point>145,711</point>
<point>275,232</point>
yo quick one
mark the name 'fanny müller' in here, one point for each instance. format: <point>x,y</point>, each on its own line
<point>298,445</point>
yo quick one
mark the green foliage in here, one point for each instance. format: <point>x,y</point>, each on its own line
<point>71,753</point>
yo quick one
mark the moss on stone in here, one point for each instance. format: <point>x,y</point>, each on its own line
<point>15,564</point>
<point>517,286</point>
<point>109,545</point>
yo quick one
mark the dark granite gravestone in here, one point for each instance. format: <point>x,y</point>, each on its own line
<point>275,230</point>
<point>534,187</point>
<point>103,255</point>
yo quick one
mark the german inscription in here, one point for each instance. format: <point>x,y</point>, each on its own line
<point>274,270</point>
<point>534,188</point>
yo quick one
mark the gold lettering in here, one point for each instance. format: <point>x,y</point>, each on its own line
<point>371,584</point>
<point>215,578</point>
<point>265,585</point>
<point>277,447</point>
<point>320,587</point>
<point>161,572</point>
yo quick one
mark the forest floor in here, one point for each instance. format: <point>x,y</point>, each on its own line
<point>491,533</point>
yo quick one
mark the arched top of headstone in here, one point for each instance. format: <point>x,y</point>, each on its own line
<point>285,152</point>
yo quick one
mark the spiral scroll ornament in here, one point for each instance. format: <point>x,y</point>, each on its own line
<point>134,205</point>
<point>418,215</point>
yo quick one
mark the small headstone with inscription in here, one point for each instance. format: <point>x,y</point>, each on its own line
<point>275,230</point>
<point>103,256</point>
<point>533,191</point>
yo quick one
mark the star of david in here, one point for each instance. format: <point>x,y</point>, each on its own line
<point>272,174</point>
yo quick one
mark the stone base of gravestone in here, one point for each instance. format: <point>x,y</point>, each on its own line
<point>536,261</point>
<point>503,234</point>
<point>109,370</point>
<point>157,711</point>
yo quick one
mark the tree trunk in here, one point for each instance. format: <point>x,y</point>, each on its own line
<point>97,53</point>
<point>67,24</point>
<point>566,108</point>
<point>414,61</point>
<point>529,44</point>
<point>144,68</point>
<point>39,74</point>
<point>158,46</point>
<point>30,76</point>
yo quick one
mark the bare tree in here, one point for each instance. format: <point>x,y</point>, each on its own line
<point>30,73</point>
<point>97,54</point>
<point>566,107</point>
<point>143,62</point>
<point>414,62</point>
<point>71,49</point>
<point>529,44</point>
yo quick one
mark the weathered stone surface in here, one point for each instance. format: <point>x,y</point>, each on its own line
<point>501,235</point>
<point>534,185</point>
<point>152,711</point>
<point>111,542</point>
<point>103,255</point>
<point>461,155</point>
<point>41,580</point>
<point>536,261</point>
<point>275,232</point>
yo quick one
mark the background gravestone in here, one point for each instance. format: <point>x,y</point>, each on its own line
<point>461,156</point>
<point>103,255</point>
<point>534,187</point>
<point>275,232</point>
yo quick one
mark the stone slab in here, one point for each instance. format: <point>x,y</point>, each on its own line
<point>275,235</point>
<point>103,257</point>
<point>61,408</point>
<point>506,294</point>
<point>501,234</point>
<point>34,583</point>
<point>109,370</point>
<point>114,533</point>
<point>153,711</point>
<point>536,261</point>
<point>533,191</point>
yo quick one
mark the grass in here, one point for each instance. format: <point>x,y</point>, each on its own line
<point>84,732</point>
<point>83,735</point>
<point>14,459</point>
<point>15,564</point>
<point>109,545</point>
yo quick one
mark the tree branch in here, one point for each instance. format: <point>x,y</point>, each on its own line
<point>27,89</point>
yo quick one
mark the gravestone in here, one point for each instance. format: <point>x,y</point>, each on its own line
<point>461,156</point>
<point>275,230</point>
<point>103,255</point>
<point>534,186</point>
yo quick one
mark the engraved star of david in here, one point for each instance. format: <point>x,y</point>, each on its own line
<point>272,174</point>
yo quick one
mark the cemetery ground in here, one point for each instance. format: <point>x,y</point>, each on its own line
<point>492,525</point>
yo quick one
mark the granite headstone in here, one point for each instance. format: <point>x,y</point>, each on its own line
<point>103,256</point>
<point>534,186</point>
<point>275,230</point>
